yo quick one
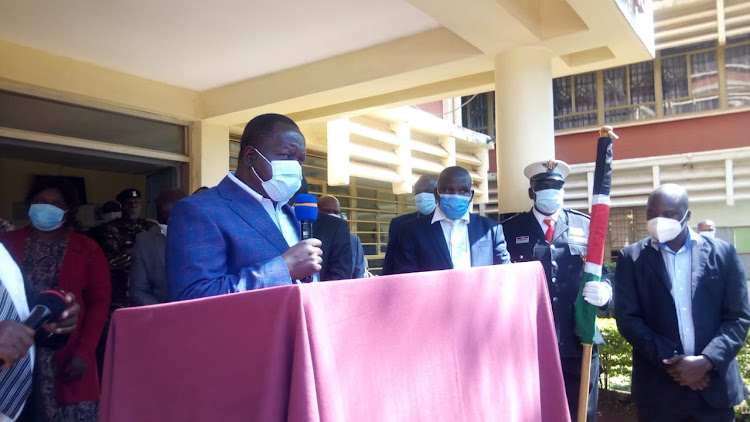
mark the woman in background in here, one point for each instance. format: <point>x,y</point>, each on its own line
<point>52,256</point>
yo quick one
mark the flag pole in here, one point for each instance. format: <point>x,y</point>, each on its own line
<point>585,312</point>
<point>583,388</point>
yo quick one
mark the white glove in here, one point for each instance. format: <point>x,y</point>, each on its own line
<point>597,293</point>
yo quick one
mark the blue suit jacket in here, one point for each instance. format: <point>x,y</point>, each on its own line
<point>222,241</point>
<point>422,246</point>
<point>646,317</point>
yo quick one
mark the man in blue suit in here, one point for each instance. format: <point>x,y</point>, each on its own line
<point>681,301</point>
<point>242,235</point>
<point>424,198</point>
<point>451,237</point>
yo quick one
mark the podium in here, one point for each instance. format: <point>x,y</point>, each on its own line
<point>473,345</point>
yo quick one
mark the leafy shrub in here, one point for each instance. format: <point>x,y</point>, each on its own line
<point>742,411</point>
<point>615,357</point>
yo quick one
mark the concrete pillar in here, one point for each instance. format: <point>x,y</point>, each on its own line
<point>524,121</point>
<point>403,151</point>
<point>209,154</point>
<point>339,169</point>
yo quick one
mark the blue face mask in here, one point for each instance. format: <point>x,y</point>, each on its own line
<point>454,206</point>
<point>46,217</point>
<point>549,200</point>
<point>425,202</point>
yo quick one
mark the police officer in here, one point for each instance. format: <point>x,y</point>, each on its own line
<point>558,238</point>
<point>117,239</point>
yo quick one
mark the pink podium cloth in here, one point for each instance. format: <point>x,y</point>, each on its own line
<point>474,345</point>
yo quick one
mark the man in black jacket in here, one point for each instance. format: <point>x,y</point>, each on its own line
<point>424,198</point>
<point>681,301</point>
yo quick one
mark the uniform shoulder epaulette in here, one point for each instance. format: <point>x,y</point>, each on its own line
<point>579,213</point>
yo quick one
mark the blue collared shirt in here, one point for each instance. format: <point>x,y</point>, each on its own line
<point>679,267</point>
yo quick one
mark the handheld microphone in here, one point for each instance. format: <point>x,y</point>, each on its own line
<point>306,211</point>
<point>50,304</point>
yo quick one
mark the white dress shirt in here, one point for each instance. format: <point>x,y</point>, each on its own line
<point>541,217</point>
<point>11,278</point>
<point>679,267</point>
<point>456,233</point>
<point>282,220</point>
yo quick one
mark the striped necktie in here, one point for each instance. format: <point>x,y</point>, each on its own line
<point>15,382</point>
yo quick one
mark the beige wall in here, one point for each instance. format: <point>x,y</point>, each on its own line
<point>723,215</point>
<point>101,186</point>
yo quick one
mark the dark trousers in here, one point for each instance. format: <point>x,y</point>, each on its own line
<point>690,408</point>
<point>571,368</point>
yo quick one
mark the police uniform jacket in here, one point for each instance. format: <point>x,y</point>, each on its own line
<point>563,262</point>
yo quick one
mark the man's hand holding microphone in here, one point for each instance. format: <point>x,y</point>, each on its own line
<point>305,258</point>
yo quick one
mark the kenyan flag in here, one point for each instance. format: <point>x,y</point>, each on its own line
<point>585,327</point>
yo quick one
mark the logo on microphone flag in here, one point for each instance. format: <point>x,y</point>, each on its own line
<point>585,313</point>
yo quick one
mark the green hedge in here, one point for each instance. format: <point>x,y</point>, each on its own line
<point>615,357</point>
<point>617,362</point>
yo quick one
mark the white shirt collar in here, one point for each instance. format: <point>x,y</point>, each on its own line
<point>695,239</point>
<point>439,216</point>
<point>541,217</point>
<point>258,197</point>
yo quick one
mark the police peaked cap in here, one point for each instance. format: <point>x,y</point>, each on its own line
<point>128,194</point>
<point>547,170</point>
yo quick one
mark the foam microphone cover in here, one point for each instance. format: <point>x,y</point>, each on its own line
<point>306,207</point>
<point>48,306</point>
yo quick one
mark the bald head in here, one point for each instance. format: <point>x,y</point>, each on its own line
<point>668,200</point>
<point>329,204</point>
<point>454,180</point>
<point>706,226</point>
<point>425,184</point>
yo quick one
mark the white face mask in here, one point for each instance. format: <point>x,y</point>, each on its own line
<point>549,200</point>
<point>285,181</point>
<point>425,202</point>
<point>665,229</point>
<point>710,233</point>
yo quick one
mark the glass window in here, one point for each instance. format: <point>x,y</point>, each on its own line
<point>578,120</point>
<point>697,91</point>
<point>642,82</point>
<point>674,80</point>
<point>704,78</point>
<point>585,91</point>
<point>615,87</point>
<point>563,101</point>
<point>18,111</point>
<point>478,111</point>
<point>623,114</point>
<point>737,69</point>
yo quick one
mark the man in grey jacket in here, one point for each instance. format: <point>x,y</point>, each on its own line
<point>148,284</point>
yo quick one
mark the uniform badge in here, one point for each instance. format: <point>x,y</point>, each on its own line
<point>522,239</point>
<point>577,231</point>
